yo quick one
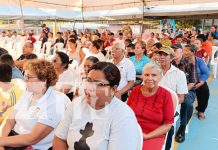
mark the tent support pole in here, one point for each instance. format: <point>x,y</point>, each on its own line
<point>22,18</point>
<point>82,15</point>
<point>143,13</point>
<point>74,23</point>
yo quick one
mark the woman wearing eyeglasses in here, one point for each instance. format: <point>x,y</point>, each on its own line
<point>99,120</point>
<point>37,114</point>
<point>153,107</point>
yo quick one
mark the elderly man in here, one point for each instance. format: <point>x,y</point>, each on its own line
<point>27,54</point>
<point>173,78</point>
<point>127,70</point>
<point>192,78</point>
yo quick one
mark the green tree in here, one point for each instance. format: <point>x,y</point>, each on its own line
<point>187,23</point>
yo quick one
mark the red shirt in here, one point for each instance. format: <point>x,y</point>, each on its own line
<point>32,39</point>
<point>153,111</point>
<point>202,54</point>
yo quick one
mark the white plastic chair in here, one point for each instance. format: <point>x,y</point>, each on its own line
<point>18,48</point>
<point>175,105</point>
<point>2,44</point>
<point>37,48</point>
<point>140,140</point>
<point>214,60</point>
<point>9,46</point>
<point>46,48</point>
<point>58,47</point>
<point>74,65</point>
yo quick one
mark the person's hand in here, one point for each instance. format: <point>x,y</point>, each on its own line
<point>199,84</point>
<point>145,137</point>
<point>118,94</point>
<point>2,148</point>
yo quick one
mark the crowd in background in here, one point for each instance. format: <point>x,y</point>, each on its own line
<point>103,71</point>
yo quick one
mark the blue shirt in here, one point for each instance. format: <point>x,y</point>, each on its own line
<point>139,65</point>
<point>202,69</point>
<point>16,73</point>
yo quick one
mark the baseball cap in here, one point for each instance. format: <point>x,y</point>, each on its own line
<point>166,49</point>
<point>167,34</point>
<point>176,46</point>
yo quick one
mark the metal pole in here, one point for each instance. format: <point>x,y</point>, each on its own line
<point>22,18</point>
<point>82,15</point>
<point>143,13</point>
<point>74,24</point>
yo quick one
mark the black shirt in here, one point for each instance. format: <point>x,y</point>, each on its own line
<point>30,56</point>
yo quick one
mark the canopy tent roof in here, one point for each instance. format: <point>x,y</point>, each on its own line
<point>117,9</point>
<point>95,5</point>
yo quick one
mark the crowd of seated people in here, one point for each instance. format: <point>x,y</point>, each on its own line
<point>115,82</point>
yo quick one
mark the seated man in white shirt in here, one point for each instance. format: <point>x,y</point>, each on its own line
<point>127,70</point>
<point>174,79</point>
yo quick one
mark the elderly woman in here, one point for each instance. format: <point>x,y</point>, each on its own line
<point>101,121</point>
<point>153,107</point>
<point>39,111</point>
<point>201,88</point>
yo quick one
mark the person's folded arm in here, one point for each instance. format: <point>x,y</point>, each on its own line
<point>181,98</point>
<point>39,132</point>
<point>8,124</point>
<point>163,129</point>
<point>125,89</point>
<point>59,144</point>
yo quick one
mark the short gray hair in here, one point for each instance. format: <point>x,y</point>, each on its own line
<point>153,66</point>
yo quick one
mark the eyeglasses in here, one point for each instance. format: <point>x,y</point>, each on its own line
<point>116,49</point>
<point>88,82</point>
<point>27,77</point>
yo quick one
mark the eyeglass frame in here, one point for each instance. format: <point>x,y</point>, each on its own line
<point>99,84</point>
<point>116,49</point>
<point>27,77</point>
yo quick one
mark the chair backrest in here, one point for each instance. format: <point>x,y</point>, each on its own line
<point>2,44</point>
<point>140,140</point>
<point>175,105</point>
<point>214,50</point>
<point>9,45</point>
<point>58,47</point>
<point>37,48</point>
<point>46,48</point>
<point>74,65</point>
<point>18,48</point>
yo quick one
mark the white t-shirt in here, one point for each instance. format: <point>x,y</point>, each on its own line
<point>75,55</point>
<point>99,55</point>
<point>175,79</point>
<point>49,111</point>
<point>68,77</point>
<point>127,71</point>
<point>111,128</point>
